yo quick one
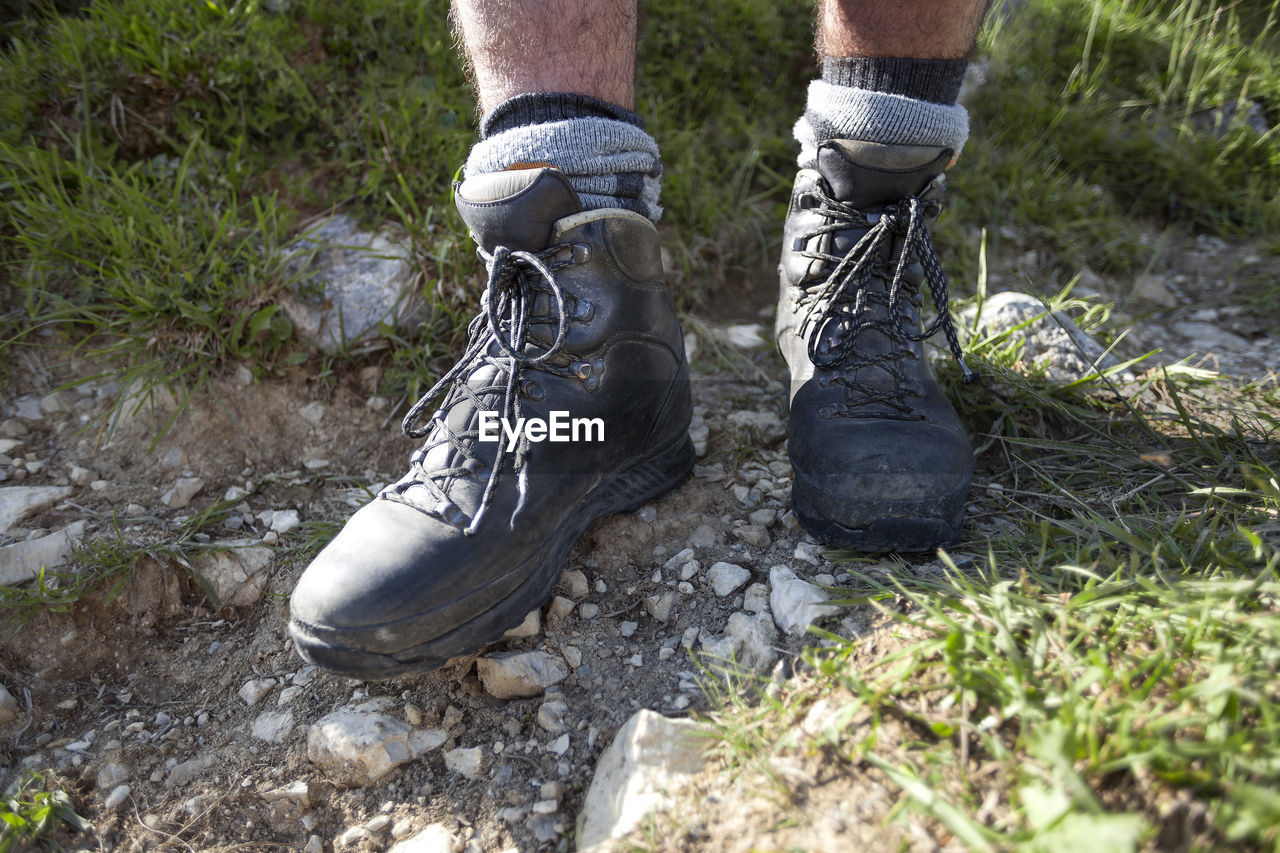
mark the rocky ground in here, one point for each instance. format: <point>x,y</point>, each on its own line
<point>173,709</point>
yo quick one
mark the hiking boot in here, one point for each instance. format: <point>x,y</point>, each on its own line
<point>880,459</point>
<point>577,332</point>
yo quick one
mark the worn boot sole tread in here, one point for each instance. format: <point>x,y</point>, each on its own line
<point>882,525</point>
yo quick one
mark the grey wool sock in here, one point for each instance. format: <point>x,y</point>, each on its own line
<point>886,100</point>
<point>600,147</point>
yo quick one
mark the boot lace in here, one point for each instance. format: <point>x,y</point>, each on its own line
<point>847,297</point>
<point>497,336</point>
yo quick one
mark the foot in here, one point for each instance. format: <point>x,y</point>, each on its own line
<point>881,460</point>
<point>577,323</point>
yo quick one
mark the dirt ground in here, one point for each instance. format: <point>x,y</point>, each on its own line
<point>140,685</point>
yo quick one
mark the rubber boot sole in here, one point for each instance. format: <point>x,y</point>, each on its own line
<point>880,525</point>
<point>629,489</point>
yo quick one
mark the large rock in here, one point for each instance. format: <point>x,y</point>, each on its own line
<point>348,281</point>
<point>1050,340</point>
<point>649,759</point>
<point>22,561</point>
<point>236,574</point>
<point>18,501</point>
<point>358,746</point>
<point>796,604</point>
<point>519,675</point>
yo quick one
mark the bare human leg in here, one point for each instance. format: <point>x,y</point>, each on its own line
<point>918,29</point>
<point>516,47</point>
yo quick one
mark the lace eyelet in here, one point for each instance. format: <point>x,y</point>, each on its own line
<point>532,390</point>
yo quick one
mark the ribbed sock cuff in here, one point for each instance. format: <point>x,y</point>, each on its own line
<point>841,112</point>
<point>544,107</point>
<point>610,163</point>
<point>935,80</point>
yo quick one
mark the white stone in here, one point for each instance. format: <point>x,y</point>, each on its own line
<point>753,534</point>
<point>742,335</point>
<point>766,424</point>
<point>465,761</point>
<point>588,610</point>
<point>575,584</point>
<point>358,746</point>
<point>189,771</point>
<point>349,282</point>
<point>119,794</point>
<point>252,691</point>
<point>626,629</point>
<point>18,501</point>
<point>182,491</point>
<point>58,402</point>
<point>273,726</point>
<point>518,675</point>
<point>1050,340</point>
<point>23,561</point>
<point>530,627</point>
<point>679,560</point>
<point>649,759</point>
<point>1151,288</point>
<point>284,521</point>
<point>726,577</point>
<point>755,636</point>
<point>298,793</point>
<point>756,598</point>
<point>8,706</point>
<point>560,608</point>
<point>551,716</point>
<point>560,745</point>
<point>659,605</point>
<point>313,412</point>
<point>236,574</point>
<point>796,604</point>
<point>80,476</point>
<point>111,775</point>
<point>809,552</point>
<point>436,838</point>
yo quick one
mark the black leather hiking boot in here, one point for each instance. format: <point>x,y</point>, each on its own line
<point>881,461</point>
<point>577,332</point>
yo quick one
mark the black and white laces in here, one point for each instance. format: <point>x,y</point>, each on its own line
<point>846,296</point>
<point>498,336</point>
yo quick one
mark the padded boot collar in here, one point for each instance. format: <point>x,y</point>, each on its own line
<point>517,208</point>
<point>867,175</point>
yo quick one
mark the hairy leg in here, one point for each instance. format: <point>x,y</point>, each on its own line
<point>919,29</point>
<point>587,47</point>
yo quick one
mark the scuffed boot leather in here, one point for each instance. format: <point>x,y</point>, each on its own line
<point>576,318</point>
<point>881,460</point>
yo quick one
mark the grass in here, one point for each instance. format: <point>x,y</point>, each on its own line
<point>1101,665</point>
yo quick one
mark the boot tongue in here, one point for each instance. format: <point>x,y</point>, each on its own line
<point>870,175</point>
<point>517,208</point>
